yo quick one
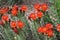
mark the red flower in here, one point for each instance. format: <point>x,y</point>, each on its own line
<point>42,29</point>
<point>14,12</point>
<point>33,16</point>
<point>49,25</point>
<point>13,24</point>
<point>5,17</point>
<point>37,6</point>
<point>1,22</point>
<point>44,7</point>
<point>15,7</point>
<point>4,10</point>
<point>39,14</point>
<point>23,8</point>
<point>58,27</point>
<point>20,24</point>
<point>50,33</point>
<point>15,30</point>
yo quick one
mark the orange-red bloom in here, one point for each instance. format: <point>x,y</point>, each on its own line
<point>42,29</point>
<point>4,10</point>
<point>5,17</point>
<point>58,27</point>
<point>20,24</point>
<point>39,14</point>
<point>37,6</point>
<point>50,33</point>
<point>44,7</point>
<point>23,8</point>
<point>13,24</point>
<point>33,16</point>
<point>15,7</point>
<point>49,25</point>
<point>14,12</point>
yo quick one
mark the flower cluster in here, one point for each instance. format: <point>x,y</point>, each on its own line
<point>6,14</point>
<point>40,9</point>
<point>35,16</point>
<point>47,29</point>
<point>16,24</point>
<point>14,9</point>
<point>5,17</point>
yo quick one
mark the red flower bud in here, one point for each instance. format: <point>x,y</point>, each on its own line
<point>15,30</point>
<point>1,22</point>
